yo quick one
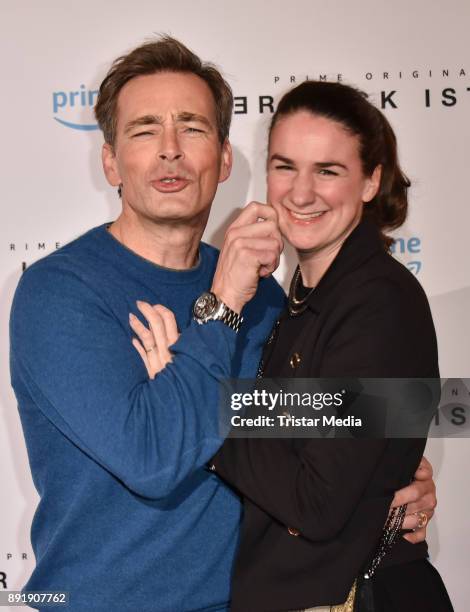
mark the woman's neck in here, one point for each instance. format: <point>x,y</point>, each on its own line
<point>313,265</point>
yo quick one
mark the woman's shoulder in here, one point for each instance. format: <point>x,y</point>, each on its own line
<point>383,276</point>
<point>384,293</point>
<point>381,317</point>
<point>396,270</point>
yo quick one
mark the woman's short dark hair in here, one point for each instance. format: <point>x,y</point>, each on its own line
<point>164,54</point>
<point>377,142</point>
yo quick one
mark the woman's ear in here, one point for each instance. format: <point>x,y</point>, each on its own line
<point>372,184</point>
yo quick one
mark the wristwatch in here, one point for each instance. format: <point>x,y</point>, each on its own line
<point>208,307</point>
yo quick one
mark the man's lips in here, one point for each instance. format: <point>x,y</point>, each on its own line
<point>169,183</point>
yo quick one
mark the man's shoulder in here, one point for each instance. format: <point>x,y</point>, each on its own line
<point>269,288</point>
<point>74,254</point>
<point>270,296</point>
<point>67,267</point>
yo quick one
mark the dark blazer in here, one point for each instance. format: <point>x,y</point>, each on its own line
<point>315,509</point>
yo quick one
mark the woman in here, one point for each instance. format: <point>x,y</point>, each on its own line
<point>315,509</point>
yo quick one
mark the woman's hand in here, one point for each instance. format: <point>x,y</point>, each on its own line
<point>153,342</point>
<point>420,496</point>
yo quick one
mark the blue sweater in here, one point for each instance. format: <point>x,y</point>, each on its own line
<point>129,519</point>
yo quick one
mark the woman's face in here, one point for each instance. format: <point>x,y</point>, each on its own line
<point>315,181</point>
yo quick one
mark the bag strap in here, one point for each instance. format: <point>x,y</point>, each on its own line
<point>390,533</point>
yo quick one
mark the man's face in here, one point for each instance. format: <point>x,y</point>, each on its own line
<point>167,156</point>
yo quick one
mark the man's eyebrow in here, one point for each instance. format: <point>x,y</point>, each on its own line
<point>144,120</point>
<point>157,120</point>
<point>188,116</point>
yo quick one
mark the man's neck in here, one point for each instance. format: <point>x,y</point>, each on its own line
<point>169,245</point>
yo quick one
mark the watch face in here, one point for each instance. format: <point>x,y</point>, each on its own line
<point>205,305</point>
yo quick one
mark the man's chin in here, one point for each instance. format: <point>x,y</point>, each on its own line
<point>176,217</point>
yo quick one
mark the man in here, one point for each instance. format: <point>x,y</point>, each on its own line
<point>129,517</point>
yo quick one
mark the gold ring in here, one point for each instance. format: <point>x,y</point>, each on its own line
<point>150,349</point>
<point>422,520</point>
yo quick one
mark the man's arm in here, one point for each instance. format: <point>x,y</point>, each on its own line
<point>75,360</point>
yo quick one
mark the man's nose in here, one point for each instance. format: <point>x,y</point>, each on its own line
<point>170,148</point>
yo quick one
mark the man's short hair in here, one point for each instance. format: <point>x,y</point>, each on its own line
<point>164,54</point>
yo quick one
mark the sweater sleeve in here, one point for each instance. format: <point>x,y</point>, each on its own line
<point>73,358</point>
<point>317,489</point>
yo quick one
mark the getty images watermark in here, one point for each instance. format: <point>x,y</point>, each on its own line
<point>344,408</point>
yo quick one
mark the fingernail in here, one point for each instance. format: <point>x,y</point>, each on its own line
<point>132,316</point>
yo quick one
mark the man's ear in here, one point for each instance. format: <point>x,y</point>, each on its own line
<point>225,161</point>
<point>110,168</point>
<point>372,184</point>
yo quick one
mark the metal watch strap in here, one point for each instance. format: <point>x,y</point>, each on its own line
<point>231,318</point>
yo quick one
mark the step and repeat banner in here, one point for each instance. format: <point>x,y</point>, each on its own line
<point>412,58</point>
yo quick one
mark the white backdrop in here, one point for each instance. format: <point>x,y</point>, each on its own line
<point>53,189</point>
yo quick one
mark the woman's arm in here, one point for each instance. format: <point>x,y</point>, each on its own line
<point>314,492</point>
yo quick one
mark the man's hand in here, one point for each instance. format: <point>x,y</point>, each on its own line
<point>420,496</point>
<point>251,250</point>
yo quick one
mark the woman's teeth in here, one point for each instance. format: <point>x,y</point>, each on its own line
<point>306,216</point>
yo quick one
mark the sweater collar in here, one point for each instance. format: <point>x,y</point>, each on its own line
<point>155,273</point>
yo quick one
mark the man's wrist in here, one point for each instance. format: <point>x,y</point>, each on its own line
<point>235,303</point>
<point>209,307</point>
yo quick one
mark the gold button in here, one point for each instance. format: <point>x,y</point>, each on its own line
<point>293,531</point>
<point>295,360</point>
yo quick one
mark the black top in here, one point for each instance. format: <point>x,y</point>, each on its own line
<point>315,509</point>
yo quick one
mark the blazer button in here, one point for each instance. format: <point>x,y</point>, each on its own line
<point>293,531</point>
<point>295,360</point>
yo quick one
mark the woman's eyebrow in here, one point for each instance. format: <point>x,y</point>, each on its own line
<point>281,158</point>
<point>327,164</point>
